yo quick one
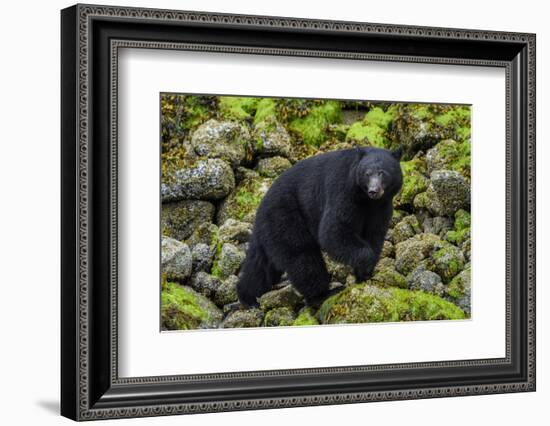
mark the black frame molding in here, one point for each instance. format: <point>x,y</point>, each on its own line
<point>90,38</point>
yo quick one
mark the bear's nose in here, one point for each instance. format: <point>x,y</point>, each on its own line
<point>373,192</point>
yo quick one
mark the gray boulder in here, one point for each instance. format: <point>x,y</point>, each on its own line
<point>438,225</point>
<point>235,231</point>
<point>270,139</point>
<point>205,284</point>
<point>230,260</point>
<point>279,317</point>
<point>283,297</point>
<point>203,256</point>
<point>459,290</point>
<point>227,140</point>
<point>272,166</point>
<point>210,179</point>
<point>243,319</point>
<point>227,291</point>
<point>176,259</point>
<point>428,281</point>
<point>180,219</point>
<point>447,193</point>
<point>407,228</point>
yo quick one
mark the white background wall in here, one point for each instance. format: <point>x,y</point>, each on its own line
<point>29,222</point>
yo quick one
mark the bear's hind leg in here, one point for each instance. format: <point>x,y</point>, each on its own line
<point>257,277</point>
<point>308,274</point>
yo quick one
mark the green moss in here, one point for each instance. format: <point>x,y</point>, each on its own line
<point>237,108</point>
<point>463,220</point>
<point>372,129</point>
<point>457,114</point>
<point>182,309</point>
<point>378,117</point>
<point>267,107</point>
<point>414,182</point>
<point>461,230</point>
<point>421,201</point>
<point>367,133</point>
<point>367,303</point>
<point>420,111</point>
<point>218,244</point>
<point>306,317</point>
<point>248,198</point>
<point>312,127</point>
<point>455,289</point>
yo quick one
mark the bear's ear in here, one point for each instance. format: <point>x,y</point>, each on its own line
<point>397,152</point>
<point>361,151</point>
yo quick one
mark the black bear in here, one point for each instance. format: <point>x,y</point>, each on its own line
<point>338,202</point>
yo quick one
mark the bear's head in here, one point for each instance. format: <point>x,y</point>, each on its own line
<point>378,172</point>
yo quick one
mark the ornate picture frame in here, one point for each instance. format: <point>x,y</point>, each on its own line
<point>90,39</point>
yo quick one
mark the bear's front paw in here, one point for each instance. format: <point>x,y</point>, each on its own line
<point>363,272</point>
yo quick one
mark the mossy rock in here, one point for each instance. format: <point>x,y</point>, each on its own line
<point>182,308</point>
<point>438,225</point>
<point>227,291</point>
<point>431,252</point>
<point>203,256</point>
<point>180,219</point>
<point>447,259</point>
<point>226,140</point>
<point>467,248</point>
<point>242,203</point>
<point>284,297</point>
<point>205,284</point>
<point>279,317</point>
<point>425,280</point>
<point>338,271</point>
<point>414,182</point>
<point>244,319</point>
<point>205,179</point>
<point>461,231</point>
<point>388,250</point>
<point>228,262</point>
<point>407,228</point>
<point>367,303</point>
<point>234,231</point>
<point>180,114</point>
<point>459,290</point>
<point>389,277</point>
<point>270,138</point>
<point>306,316</point>
<point>409,253</point>
<point>450,155</point>
<point>205,233</point>
<point>419,127</point>
<point>176,259</point>
<point>447,193</point>
<point>312,128</point>
<point>272,167</point>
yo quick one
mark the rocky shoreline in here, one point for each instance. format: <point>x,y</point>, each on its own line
<point>221,154</point>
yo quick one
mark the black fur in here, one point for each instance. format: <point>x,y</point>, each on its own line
<point>339,202</point>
